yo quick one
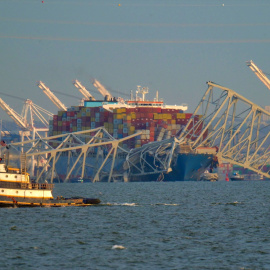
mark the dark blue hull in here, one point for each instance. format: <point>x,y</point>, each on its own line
<point>189,167</point>
<point>186,167</point>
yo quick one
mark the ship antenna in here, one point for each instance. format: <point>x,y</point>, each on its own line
<point>138,91</point>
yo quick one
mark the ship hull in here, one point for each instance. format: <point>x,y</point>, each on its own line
<point>189,167</point>
<point>237,179</point>
<point>11,201</point>
<point>186,167</point>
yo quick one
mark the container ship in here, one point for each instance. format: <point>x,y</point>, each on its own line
<point>154,119</point>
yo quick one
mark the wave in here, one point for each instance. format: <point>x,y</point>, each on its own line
<point>118,247</point>
<point>120,204</point>
<point>136,204</point>
<point>228,203</point>
<point>167,204</point>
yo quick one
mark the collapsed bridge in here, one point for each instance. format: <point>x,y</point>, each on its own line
<point>233,124</point>
<point>223,120</point>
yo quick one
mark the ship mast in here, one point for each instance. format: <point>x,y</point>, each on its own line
<point>142,91</point>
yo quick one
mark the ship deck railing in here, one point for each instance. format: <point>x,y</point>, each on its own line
<point>37,186</point>
<point>21,185</point>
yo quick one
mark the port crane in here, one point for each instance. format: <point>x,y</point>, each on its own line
<point>16,117</point>
<point>259,73</point>
<point>83,90</point>
<point>25,120</point>
<point>103,91</point>
<point>51,96</point>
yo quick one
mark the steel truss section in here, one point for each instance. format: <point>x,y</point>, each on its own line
<point>151,158</point>
<point>233,124</point>
<point>92,154</point>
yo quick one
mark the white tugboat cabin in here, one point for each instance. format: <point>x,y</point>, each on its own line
<point>16,186</point>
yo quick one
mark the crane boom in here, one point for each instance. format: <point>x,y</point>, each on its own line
<point>83,90</point>
<point>13,115</point>
<point>51,96</point>
<point>259,73</point>
<point>103,91</point>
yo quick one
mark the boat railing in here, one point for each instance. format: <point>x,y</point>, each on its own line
<point>37,186</point>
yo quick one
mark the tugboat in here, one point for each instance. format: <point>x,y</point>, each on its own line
<point>209,176</point>
<point>237,177</point>
<point>17,190</point>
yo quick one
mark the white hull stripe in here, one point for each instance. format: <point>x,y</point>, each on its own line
<point>26,193</point>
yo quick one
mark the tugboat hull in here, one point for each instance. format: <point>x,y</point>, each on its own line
<point>59,202</point>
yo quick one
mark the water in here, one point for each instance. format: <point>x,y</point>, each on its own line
<point>181,225</point>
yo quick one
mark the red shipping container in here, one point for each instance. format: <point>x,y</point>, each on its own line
<point>141,120</point>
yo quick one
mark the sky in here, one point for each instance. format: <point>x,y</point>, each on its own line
<point>170,46</point>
